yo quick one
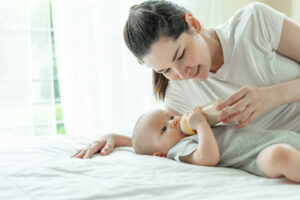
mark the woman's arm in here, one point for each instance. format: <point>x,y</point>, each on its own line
<point>104,144</point>
<point>249,102</point>
<point>289,44</point>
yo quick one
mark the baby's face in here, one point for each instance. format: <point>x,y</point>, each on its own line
<point>162,130</point>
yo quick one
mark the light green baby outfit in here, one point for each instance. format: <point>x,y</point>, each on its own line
<point>238,148</point>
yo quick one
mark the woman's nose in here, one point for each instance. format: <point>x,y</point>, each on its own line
<point>188,71</point>
<point>183,72</point>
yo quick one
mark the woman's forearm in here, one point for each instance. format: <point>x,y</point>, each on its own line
<point>122,141</point>
<point>287,92</point>
<point>208,149</point>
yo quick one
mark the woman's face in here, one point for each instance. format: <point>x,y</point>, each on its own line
<point>187,57</point>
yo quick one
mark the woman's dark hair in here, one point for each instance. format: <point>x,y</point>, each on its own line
<point>146,23</point>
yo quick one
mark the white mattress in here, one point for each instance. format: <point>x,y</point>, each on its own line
<point>39,168</point>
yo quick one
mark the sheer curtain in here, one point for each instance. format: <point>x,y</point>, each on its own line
<point>102,84</point>
<point>26,84</point>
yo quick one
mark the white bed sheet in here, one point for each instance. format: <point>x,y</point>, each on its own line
<point>39,168</point>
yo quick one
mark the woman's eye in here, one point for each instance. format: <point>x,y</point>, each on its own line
<point>181,55</point>
<point>167,71</point>
<point>163,129</point>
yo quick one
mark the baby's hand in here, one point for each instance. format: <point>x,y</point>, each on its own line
<point>195,118</point>
<point>104,144</point>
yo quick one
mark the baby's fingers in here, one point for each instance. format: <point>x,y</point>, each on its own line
<point>93,148</point>
<point>74,155</point>
<point>80,154</point>
<point>108,148</point>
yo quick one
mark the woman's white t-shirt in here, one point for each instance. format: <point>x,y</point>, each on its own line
<point>249,40</point>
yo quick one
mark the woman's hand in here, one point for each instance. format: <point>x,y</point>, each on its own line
<point>105,144</point>
<point>246,105</point>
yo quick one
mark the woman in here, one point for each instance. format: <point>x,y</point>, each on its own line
<point>251,61</point>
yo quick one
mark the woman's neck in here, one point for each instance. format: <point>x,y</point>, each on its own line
<point>214,44</point>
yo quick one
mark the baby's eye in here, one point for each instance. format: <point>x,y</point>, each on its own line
<point>172,117</point>
<point>163,129</point>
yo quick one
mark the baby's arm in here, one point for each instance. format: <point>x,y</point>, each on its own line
<point>105,144</point>
<point>207,153</point>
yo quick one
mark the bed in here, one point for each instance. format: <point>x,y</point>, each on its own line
<point>40,168</point>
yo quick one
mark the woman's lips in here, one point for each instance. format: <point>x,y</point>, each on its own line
<point>197,72</point>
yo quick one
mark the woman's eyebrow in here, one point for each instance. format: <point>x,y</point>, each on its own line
<point>175,55</point>
<point>160,71</point>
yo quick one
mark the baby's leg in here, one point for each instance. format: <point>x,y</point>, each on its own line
<point>280,160</point>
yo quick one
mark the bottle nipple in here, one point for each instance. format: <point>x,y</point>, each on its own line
<point>185,129</point>
<point>209,111</point>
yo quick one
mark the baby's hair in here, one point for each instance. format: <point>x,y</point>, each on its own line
<point>135,140</point>
<point>142,143</point>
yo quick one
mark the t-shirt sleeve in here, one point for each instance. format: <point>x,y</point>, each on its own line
<point>185,147</point>
<point>269,23</point>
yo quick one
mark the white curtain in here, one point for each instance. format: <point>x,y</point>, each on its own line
<point>26,84</point>
<point>102,84</point>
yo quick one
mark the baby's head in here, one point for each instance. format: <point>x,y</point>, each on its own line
<point>156,132</point>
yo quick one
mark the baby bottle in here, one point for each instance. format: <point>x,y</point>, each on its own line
<point>209,111</point>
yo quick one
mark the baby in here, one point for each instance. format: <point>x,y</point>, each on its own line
<point>264,153</point>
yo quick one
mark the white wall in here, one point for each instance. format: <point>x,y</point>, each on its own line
<point>295,11</point>
<point>290,7</point>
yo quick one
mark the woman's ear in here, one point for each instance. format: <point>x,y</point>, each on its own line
<point>160,154</point>
<point>193,22</point>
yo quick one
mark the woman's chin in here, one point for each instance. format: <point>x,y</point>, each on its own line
<point>202,77</point>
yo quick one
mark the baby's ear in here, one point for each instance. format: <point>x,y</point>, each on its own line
<point>160,154</point>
